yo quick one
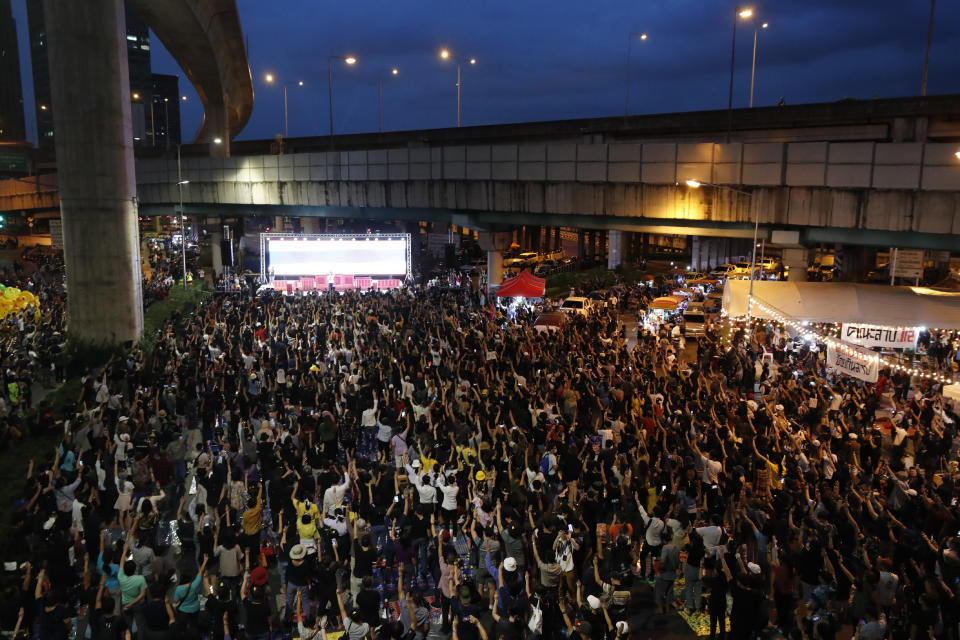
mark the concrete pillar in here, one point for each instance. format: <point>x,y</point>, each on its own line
<point>615,253</point>
<point>278,226</point>
<point>310,224</point>
<point>494,243</point>
<point>216,256</point>
<point>796,259</point>
<point>581,248</point>
<point>591,245</point>
<point>557,243</point>
<point>601,244</point>
<point>90,91</point>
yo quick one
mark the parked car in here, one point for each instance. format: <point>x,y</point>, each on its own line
<point>543,270</point>
<point>722,270</point>
<point>578,305</point>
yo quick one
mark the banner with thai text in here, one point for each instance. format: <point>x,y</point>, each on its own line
<point>854,362</point>
<point>870,335</point>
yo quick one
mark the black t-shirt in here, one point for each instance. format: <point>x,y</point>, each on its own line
<point>216,608</point>
<point>418,527</point>
<point>363,560</point>
<point>300,575</point>
<point>258,616</point>
<point>368,601</point>
<point>155,615</point>
<point>10,603</point>
<point>101,627</point>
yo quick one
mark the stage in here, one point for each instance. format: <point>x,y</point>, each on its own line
<point>349,262</point>
<point>334,282</point>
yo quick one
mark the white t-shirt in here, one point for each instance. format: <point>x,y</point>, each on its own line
<point>711,470</point>
<point>450,492</point>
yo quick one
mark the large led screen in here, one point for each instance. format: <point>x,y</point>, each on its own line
<point>366,255</point>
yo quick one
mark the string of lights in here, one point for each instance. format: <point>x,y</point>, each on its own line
<point>814,331</point>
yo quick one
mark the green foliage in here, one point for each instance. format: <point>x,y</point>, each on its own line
<point>37,444</point>
<point>179,299</point>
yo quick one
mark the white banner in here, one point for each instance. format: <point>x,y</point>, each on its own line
<point>854,362</point>
<point>871,335</point>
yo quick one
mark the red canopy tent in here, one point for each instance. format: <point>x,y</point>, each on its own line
<point>525,285</point>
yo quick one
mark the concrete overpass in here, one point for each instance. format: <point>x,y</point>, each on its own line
<point>876,173</point>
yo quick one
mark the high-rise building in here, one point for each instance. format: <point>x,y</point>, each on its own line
<point>164,130</point>
<point>12,128</point>
<point>138,61</point>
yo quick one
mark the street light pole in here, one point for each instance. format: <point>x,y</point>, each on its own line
<point>733,53</point>
<point>926,56</point>
<point>445,55</point>
<point>753,66</point>
<point>737,13</point>
<point>286,117</point>
<point>330,94</point>
<point>183,231</point>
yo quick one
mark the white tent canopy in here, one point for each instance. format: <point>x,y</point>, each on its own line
<point>952,391</point>
<point>847,302</point>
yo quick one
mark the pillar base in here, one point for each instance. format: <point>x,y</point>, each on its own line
<point>796,260</point>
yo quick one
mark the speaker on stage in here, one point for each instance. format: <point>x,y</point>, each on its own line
<point>226,252</point>
<point>450,256</point>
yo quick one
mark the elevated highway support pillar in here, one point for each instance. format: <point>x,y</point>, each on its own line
<point>494,243</point>
<point>90,90</point>
<point>796,259</point>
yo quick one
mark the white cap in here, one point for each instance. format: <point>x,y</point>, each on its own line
<point>622,626</point>
<point>510,564</point>
<point>753,567</point>
<point>415,464</point>
<point>593,601</point>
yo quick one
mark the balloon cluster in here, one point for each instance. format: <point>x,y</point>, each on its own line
<point>14,300</point>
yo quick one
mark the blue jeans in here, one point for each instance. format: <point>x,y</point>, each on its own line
<point>692,587</point>
<point>179,471</point>
<point>306,604</point>
<point>379,534</point>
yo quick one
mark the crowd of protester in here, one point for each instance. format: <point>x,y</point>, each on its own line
<point>407,464</point>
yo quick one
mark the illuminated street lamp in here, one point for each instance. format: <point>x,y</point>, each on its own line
<point>270,79</point>
<point>393,72</point>
<point>693,183</point>
<point>630,38</point>
<point>350,60</point>
<point>445,55</point>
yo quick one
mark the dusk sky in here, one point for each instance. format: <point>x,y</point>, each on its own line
<point>558,59</point>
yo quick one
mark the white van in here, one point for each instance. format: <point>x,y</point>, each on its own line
<point>694,320</point>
